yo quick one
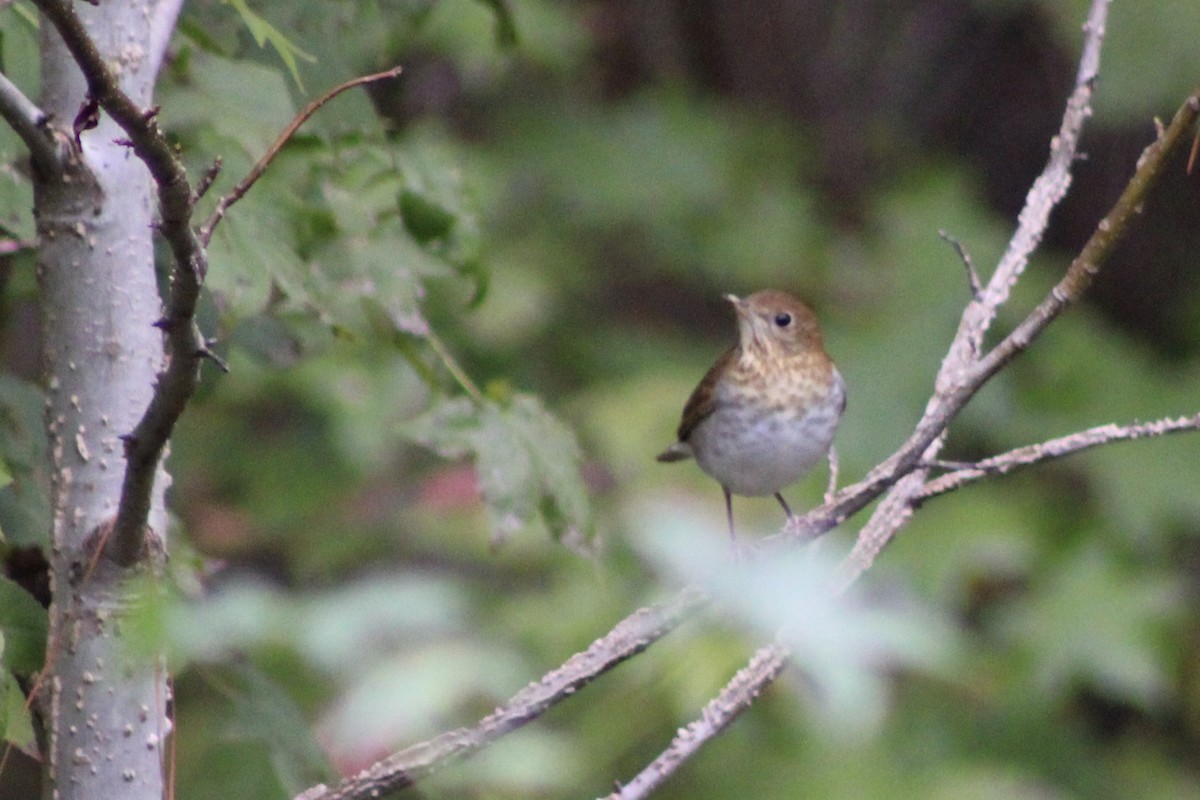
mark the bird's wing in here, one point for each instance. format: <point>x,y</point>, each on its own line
<point>704,400</point>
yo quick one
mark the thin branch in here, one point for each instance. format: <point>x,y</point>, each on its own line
<point>178,380</point>
<point>452,366</point>
<point>30,123</point>
<point>944,406</point>
<point>1044,195</point>
<point>959,378</point>
<point>206,179</point>
<point>965,257</point>
<point>185,346</point>
<point>1052,449</point>
<point>721,711</point>
<point>1102,242</point>
<point>629,637</point>
<point>239,191</point>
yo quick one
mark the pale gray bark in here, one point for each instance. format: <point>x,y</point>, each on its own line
<point>104,711</point>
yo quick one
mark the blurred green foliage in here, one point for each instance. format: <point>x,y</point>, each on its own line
<point>1034,634</point>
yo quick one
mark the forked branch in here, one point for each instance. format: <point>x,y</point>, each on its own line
<point>185,347</point>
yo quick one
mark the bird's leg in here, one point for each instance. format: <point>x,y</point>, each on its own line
<point>729,516</point>
<point>783,503</point>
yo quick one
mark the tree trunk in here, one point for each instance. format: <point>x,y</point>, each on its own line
<point>102,709</point>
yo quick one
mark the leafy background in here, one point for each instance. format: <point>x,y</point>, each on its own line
<point>502,273</point>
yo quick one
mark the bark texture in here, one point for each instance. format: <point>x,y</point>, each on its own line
<point>103,709</point>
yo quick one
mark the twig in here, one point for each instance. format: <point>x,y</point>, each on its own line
<point>965,258</point>
<point>452,366</point>
<point>29,123</point>
<point>206,180</point>
<point>1053,449</point>
<point>1047,191</point>
<point>969,378</point>
<point>960,374</point>
<point>721,711</point>
<point>256,172</point>
<point>177,382</point>
<point>629,637</point>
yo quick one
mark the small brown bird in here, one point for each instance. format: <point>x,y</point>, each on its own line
<point>766,412</point>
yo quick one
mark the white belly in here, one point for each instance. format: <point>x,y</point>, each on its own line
<point>756,453</point>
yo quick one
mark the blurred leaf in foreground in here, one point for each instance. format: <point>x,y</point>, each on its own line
<point>847,646</point>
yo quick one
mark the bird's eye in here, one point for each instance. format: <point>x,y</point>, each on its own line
<point>783,319</point>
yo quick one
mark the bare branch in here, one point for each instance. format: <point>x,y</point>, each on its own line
<point>29,122</point>
<point>721,711</point>
<point>1102,242</point>
<point>1047,191</point>
<point>256,172</point>
<point>960,376</point>
<point>1053,449</point>
<point>970,377</point>
<point>965,257</point>
<point>185,346</point>
<point>629,637</point>
<point>206,180</point>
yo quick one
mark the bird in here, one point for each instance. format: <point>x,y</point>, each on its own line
<point>766,412</point>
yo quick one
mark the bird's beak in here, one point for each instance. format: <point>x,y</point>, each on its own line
<point>747,331</point>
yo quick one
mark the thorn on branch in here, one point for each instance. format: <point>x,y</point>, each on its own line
<point>123,142</point>
<point>207,179</point>
<point>150,113</point>
<point>87,118</point>
<point>965,257</point>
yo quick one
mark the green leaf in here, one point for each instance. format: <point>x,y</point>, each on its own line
<point>266,33</point>
<point>1098,621</point>
<point>24,498</point>
<point>506,26</point>
<point>424,218</point>
<point>23,624</point>
<point>16,723</point>
<point>439,209</point>
<point>263,711</point>
<point>526,463</point>
<point>847,646</point>
<point>238,101</point>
